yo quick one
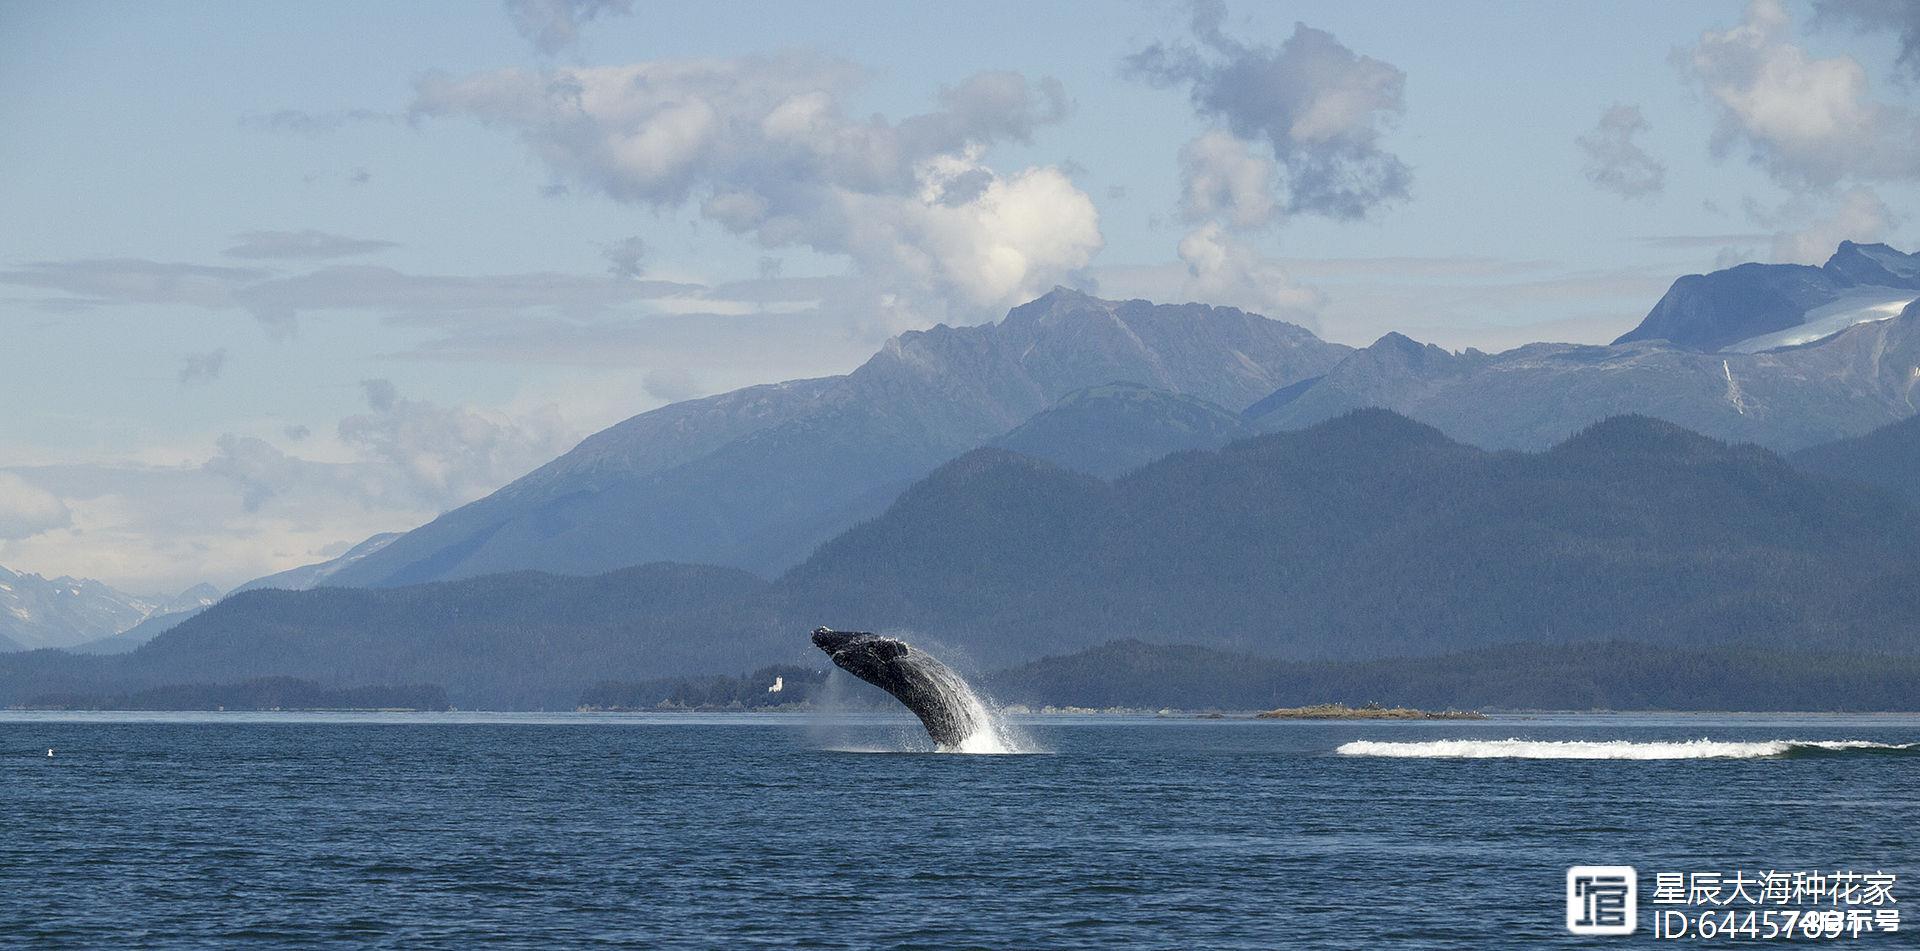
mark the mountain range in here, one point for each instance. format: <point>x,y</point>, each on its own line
<point>1835,373</point>
<point>66,612</point>
<point>757,478</point>
<point>1112,429</point>
<point>1086,470</point>
<point>1373,535</point>
<point>1758,306</point>
<point>1368,536</point>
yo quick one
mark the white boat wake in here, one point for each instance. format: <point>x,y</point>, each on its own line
<point>1614,749</point>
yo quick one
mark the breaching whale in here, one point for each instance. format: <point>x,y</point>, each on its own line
<point>938,696</point>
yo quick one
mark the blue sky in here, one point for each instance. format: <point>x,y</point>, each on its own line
<point>278,276</point>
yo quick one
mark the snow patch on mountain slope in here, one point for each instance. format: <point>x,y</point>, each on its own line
<point>1861,305</point>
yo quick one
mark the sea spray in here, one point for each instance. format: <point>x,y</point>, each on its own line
<point>993,731</point>
<point>955,716</point>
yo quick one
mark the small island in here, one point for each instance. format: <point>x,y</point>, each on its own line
<point>1371,711</point>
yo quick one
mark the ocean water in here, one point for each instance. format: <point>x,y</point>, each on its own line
<point>673,831</point>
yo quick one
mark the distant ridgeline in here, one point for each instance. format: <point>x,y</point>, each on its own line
<point>1364,538</point>
<point>1087,470</point>
<point>263,693</point>
<point>1608,675</point>
<point>796,687</point>
<point>1780,355</point>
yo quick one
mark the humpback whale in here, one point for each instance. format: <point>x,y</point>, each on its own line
<point>938,696</point>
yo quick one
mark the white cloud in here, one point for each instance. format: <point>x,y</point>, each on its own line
<point>1615,162</point>
<point>443,456</point>
<point>1222,270</point>
<point>1320,106</point>
<point>1807,121</point>
<point>27,510</point>
<point>1224,178</point>
<point>762,146</point>
<point>251,507</point>
<point>1859,216</point>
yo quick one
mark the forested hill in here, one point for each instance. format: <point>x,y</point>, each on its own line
<point>1888,457</point>
<point>1601,675</point>
<point>1369,536</point>
<point>1372,535</point>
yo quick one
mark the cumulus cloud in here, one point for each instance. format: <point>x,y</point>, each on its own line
<point>1322,108</point>
<point>1224,178</point>
<point>27,510</point>
<point>250,507</point>
<point>1615,162</point>
<point>1808,122</point>
<point>410,456</point>
<point>301,244</point>
<point>202,367</point>
<point>1222,270</point>
<point>448,455</point>
<point>259,471</point>
<point>762,146</point>
<point>1899,17</point>
<point>1859,215</point>
<point>121,535</point>
<point>554,25</point>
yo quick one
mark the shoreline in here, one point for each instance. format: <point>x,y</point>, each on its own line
<point>1283,715</point>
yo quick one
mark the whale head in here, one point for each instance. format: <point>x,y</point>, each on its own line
<point>867,656</point>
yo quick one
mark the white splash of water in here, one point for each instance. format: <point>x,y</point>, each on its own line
<point>992,733</point>
<point>1604,749</point>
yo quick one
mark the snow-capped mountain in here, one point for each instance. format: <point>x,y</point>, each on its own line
<point>38,612</point>
<point>1756,307</point>
<point>759,477</point>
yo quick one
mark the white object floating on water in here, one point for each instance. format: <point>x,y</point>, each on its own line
<point>779,684</point>
<point>1603,749</point>
<point>49,751</point>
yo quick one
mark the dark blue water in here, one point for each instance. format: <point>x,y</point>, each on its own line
<point>732,832</point>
